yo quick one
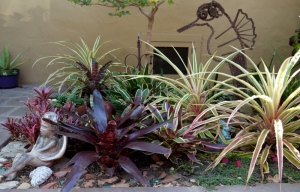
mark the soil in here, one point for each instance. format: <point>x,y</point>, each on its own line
<point>160,172</point>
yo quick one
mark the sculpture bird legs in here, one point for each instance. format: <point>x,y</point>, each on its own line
<point>242,25</point>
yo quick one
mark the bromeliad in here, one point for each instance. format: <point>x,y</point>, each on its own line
<point>109,140</point>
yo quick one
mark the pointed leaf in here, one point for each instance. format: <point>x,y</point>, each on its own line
<point>291,158</point>
<point>130,168</point>
<point>149,147</point>
<point>100,75</point>
<point>83,136</point>
<point>137,134</point>
<point>292,149</point>
<point>192,157</point>
<point>74,131</point>
<point>81,160</point>
<point>214,145</point>
<point>155,112</point>
<point>260,141</point>
<point>138,97</point>
<point>99,113</point>
<point>263,161</point>
<point>279,145</point>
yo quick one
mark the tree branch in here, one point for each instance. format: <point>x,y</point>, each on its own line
<point>154,10</point>
<point>144,12</point>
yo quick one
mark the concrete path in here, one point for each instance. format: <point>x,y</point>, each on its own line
<point>11,106</point>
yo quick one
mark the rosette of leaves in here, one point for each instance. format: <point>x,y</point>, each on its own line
<point>109,140</point>
<point>82,69</point>
<point>192,91</point>
<point>182,136</point>
<point>272,128</point>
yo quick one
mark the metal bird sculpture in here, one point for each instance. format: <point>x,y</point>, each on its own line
<point>242,26</point>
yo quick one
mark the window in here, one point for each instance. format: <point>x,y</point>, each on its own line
<point>160,66</point>
<point>182,43</point>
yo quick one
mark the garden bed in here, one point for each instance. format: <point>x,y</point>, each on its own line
<point>161,173</point>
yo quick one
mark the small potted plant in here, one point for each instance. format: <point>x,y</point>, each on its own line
<point>9,74</point>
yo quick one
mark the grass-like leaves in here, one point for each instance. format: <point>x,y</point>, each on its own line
<point>81,67</point>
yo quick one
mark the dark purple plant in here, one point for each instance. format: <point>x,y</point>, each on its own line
<point>95,77</point>
<point>109,140</point>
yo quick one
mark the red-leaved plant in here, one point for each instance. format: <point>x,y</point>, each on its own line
<point>109,140</point>
<point>29,125</point>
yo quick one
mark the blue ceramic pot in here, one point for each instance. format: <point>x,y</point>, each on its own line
<point>9,78</point>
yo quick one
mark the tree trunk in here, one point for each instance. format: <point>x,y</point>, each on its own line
<point>148,38</point>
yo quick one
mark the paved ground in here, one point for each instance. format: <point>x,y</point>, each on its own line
<point>11,106</point>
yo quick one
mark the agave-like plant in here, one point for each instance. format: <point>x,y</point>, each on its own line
<point>6,63</point>
<point>83,69</point>
<point>273,126</point>
<point>109,140</point>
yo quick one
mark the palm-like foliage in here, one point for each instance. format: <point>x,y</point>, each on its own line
<point>82,69</point>
<point>274,125</point>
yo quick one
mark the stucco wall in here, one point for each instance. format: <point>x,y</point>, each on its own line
<point>28,24</point>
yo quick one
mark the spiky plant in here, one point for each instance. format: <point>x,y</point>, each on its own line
<point>81,68</point>
<point>6,62</point>
<point>191,91</point>
<point>273,126</point>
